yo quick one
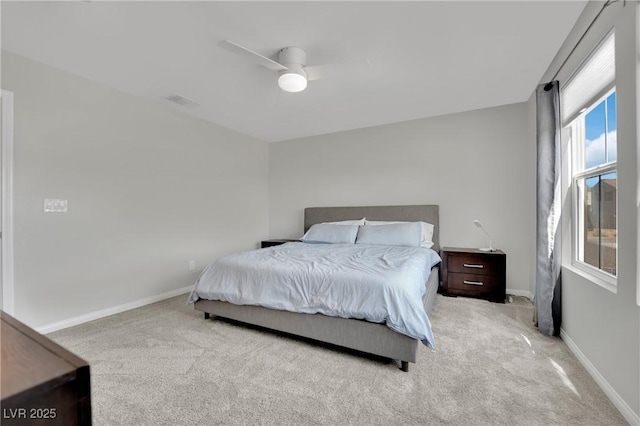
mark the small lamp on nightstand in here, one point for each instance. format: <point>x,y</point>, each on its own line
<point>479,225</point>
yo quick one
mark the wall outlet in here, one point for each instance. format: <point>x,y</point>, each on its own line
<point>192,265</point>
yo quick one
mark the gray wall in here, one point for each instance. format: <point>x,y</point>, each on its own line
<point>149,189</point>
<point>603,327</point>
<point>473,164</point>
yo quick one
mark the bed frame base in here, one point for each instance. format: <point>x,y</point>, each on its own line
<point>363,336</point>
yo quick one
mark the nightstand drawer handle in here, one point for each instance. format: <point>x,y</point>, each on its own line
<point>471,265</point>
<point>473,282</point>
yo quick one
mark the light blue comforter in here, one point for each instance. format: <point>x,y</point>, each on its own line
<point>383,284</point>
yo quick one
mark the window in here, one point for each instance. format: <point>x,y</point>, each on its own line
<point>590,113</point>
<point>595,182</point>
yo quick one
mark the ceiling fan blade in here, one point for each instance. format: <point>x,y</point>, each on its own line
<point>346,69</point>
<point>250,54</point>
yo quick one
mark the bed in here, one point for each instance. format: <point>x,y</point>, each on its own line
<point>357,334</point>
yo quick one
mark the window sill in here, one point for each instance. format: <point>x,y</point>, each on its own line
<point>606,284</point>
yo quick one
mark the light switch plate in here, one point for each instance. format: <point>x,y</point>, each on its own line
<point>52,205</point>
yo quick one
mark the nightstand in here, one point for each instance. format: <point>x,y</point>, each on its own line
<point>271,243</point>
<point>474,273</point>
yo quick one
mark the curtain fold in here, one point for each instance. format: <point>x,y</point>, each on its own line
<point>548,314</point>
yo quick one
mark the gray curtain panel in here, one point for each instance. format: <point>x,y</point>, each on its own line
<point>548,248</point>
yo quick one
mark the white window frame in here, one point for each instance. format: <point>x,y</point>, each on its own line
<point>576,173</point>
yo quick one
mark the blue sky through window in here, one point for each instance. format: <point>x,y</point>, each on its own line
<point>601,143</point>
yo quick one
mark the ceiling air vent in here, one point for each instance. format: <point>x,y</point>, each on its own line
<point>181,100</point>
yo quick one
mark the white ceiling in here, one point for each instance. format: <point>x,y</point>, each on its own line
<point>426,58</point>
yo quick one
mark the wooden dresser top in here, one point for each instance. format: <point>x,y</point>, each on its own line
<point>30,359</point>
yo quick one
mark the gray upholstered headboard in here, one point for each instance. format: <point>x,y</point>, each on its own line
<point>424,213</point>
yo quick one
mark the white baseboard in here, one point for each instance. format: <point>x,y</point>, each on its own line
<point>50,328</point>
<point>524,293</point>
<point>615,398</point>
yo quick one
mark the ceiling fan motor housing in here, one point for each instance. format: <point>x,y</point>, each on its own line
<point>292,55</point>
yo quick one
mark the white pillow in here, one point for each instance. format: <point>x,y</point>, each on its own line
<point>358,222</point>
<point>427,230</point>
<point>331,233</point>
<point>401,234</point>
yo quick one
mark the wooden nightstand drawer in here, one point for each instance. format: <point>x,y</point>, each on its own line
<point>480,264</point>
<point>471,284</point>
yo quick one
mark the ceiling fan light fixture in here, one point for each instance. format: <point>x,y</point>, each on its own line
<point>293,80</point>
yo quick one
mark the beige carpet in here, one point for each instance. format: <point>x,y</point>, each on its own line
<point>164,364</point>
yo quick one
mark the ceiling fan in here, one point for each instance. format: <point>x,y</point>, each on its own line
<point>291,65</point>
